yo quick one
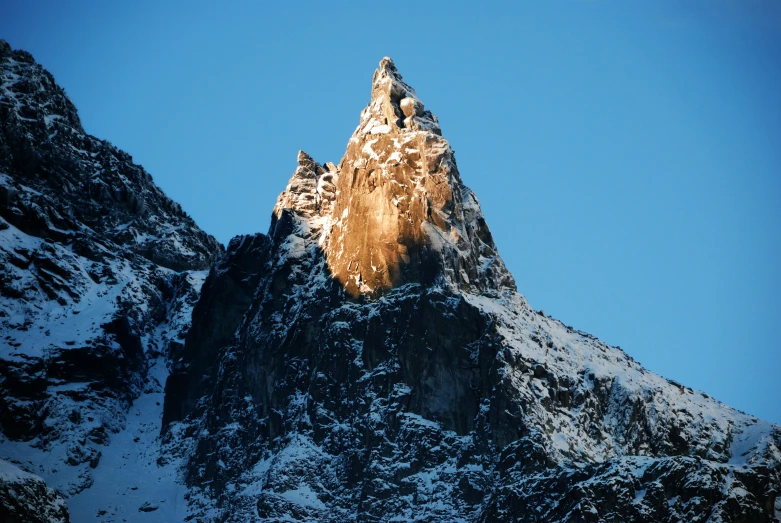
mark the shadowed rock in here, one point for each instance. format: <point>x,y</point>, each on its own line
<point>25,498</point>
<point>95,282</point>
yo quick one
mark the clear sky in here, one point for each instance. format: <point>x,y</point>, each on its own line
<point>627,154</point>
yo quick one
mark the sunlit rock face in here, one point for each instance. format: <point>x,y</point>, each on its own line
<point>395,211</point>
<point>401,214</point>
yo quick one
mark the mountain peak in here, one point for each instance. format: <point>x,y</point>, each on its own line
<point>395,211</point>
<point>304,159</point>
<point>446,399</point>
<point>395,104</point>
<point>387,73</point>
<point>386,368</point>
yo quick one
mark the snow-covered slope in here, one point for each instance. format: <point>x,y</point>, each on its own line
<point>384,368</point>
<point>99,272</point>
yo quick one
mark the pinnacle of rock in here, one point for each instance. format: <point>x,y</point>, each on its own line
<point>395,211</point>
<point>300,195</point>
<point>303,158</point>
<point>395,103</point>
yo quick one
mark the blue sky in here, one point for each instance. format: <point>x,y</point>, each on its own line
<point>627,154</point>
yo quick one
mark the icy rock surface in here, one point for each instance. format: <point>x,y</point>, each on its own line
<point>25,498</point>
<point>369,359</point>
<point>99,272</point>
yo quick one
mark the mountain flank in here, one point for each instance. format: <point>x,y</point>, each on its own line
<point>369,358</point>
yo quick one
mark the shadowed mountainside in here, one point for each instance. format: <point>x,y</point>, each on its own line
<point>99,271</point>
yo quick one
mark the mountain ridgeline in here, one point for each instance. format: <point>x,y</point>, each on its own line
<point>368,359</point>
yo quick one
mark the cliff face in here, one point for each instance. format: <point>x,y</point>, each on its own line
<point>379,365</point>
<point>99,271</point>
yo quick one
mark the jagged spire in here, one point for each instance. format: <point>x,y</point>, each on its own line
<point>303,158</point>
<point>395,104</point>
<point>300,195</point>
<point>401,214</point>
<point>394,211</point>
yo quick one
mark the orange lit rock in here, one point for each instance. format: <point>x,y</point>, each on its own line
<point>395,211</point>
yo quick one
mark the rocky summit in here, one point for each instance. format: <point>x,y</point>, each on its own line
<point>368,359</point>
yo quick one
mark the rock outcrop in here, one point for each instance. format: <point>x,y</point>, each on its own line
<point>25,498</point>
<point>400,213</point>
<point>384,368</point>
